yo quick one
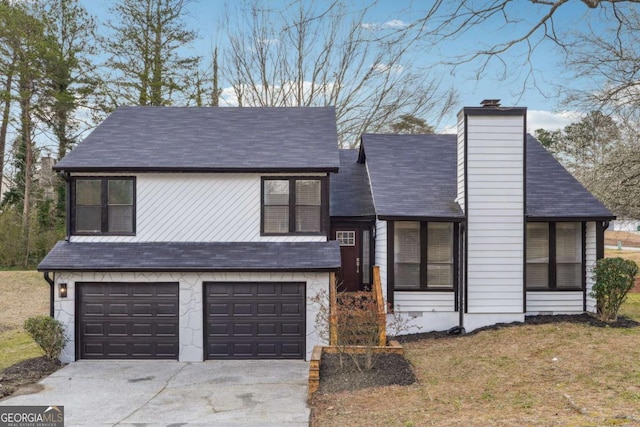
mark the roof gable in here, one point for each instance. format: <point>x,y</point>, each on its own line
<point>269,139</point>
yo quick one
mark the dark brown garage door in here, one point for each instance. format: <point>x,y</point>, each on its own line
<point>128,320</point>
<point>255,320</point>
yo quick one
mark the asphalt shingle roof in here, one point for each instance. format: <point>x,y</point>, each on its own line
<point>210,139</point>
<point>350,191</point>
<point>415,176</point>
<point>179,256</point>
<point>554,192</point>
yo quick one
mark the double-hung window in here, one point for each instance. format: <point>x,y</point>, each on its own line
<point>423,255</point>
<point>293,205</point>
<point>554,256</point>
<point>103,205</point>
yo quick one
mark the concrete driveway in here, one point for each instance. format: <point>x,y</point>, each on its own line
<point>162,393</point>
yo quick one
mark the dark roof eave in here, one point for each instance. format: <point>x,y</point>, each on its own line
<point>191,269</point>
<point>168,169</point>
<point>569,218</point>
<point>421,218</point>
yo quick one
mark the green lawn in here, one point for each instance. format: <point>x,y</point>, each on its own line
<point>15,346</point>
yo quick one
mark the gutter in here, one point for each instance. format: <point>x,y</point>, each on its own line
<point>51,283</point>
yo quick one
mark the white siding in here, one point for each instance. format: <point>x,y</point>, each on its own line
<point>558,302</point>
<point>590,263</point>
<point>495,215</point>
<point>424,301</point>
<point>380,258</point>
<point>197,208</point>
<point>191,307</point>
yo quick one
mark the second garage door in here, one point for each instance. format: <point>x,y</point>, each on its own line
<point>254,320</point>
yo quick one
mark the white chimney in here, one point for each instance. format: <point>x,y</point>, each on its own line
<point>491,192</point>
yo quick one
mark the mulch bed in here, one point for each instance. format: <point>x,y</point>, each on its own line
<point>26,372</point>
<point>622,322</point>
<point>394,369</point>
<point>389,369</point>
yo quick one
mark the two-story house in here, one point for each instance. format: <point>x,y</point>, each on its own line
<point>203,233</point>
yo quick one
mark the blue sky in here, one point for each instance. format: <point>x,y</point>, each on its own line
<point>205,16</point>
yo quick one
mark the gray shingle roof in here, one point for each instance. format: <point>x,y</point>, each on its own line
<point>210,139</point>
<point>173,256</point>
<point>554,192</point>
<point>350,191</point>
<point>415,176</point>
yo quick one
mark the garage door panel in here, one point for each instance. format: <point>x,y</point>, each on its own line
<point>255,320</point>
<point>128,320</point>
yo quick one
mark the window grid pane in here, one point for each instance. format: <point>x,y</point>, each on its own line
<point>407,254</point>
<point>88,219</point>
<point>346,238</point>
<point>568,255</point>
<point>308,207</point>
<point>440,255</point>
<point>120,219</point>
<point>537,255</point>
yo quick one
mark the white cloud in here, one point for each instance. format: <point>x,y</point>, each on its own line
<point>386,68</point>
<point>393,24</point>
<point>549,120</point>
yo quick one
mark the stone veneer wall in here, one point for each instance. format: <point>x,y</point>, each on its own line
<point>190,303</point>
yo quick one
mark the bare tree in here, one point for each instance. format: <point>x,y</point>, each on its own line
<point>522,30</point>
<point>319,54</point>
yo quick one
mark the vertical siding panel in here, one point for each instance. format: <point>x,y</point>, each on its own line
<point>495,154</point>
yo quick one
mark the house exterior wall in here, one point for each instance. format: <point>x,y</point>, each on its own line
<point>189,207</point>
<point>191,304</point>
<point>495,218</point>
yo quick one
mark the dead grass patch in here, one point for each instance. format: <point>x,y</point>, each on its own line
<point>551,374</point>
<point>624,237</point>
<point>23,294</point>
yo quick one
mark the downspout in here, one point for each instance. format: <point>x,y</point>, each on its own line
<point>52,285</point>
<point>459,330</point>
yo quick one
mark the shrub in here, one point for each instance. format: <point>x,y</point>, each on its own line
<point>48,333</point>
<point>614,278</point>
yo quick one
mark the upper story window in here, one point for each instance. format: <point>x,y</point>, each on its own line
<point>103,205</point>
<point>293,205</point>
<point>423,255</point>
<point>554,256</point>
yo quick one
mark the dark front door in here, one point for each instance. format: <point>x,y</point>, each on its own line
<point>349,277</point>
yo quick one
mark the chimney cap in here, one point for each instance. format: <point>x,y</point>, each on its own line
<point>490,103</point>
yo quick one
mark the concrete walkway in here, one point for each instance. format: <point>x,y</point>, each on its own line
<point>163,393</point>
